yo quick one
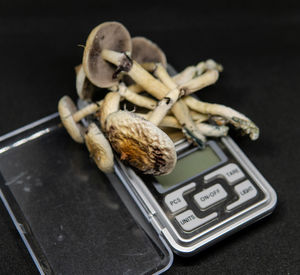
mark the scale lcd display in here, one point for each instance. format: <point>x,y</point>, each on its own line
<point>189,166</point>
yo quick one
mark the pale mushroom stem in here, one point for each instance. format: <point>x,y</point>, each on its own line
<point>141,101</point>
<point>198,116</point>
<point>179,109</point>
<point>180,78</point>
<point>235,118</point>
<point>88,110</point>
<point>208,78</point>
<point>136,72</point>
<point>186,75</point>
<point>204,128</point>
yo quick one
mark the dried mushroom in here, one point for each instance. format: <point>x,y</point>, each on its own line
<point>142,139</point>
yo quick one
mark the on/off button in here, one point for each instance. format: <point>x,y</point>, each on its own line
<point>210,196</point>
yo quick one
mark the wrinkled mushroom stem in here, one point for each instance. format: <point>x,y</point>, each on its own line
<point>235,118</point>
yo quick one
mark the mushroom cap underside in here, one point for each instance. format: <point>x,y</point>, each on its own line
<point>144,51</point>
<point>109,35</point>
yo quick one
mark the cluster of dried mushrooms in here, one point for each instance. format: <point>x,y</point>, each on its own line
<point>134,69</point>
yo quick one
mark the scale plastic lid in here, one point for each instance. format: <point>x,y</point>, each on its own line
<point>72,217</point>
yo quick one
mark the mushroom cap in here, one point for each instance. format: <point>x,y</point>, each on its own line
<point>144,51</point>
<point>111,36</point>
<point>66,109</point>
<point>109,105</point>
<point>99,148</point>
<point>140,143</point>
<point>84,87</point>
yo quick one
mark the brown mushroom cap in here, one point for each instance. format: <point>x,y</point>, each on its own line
<point>144,51</point>
<point>99,148</point>
<point>109,35</point>
<point>140,143</point>
<point>66,109</point>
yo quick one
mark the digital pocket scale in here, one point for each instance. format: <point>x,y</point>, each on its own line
<point>210,194</point>
<point>72,218</point>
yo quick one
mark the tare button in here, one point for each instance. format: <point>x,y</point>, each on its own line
<point>245,191</point>
<point>210,196</point>
<point>231,172</point>
<point>175,200</point>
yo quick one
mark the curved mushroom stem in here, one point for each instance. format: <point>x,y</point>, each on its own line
<point>141,101</point>
<point>235,118</point>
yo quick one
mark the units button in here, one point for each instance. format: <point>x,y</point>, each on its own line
<point>210,196</point>
<point>175,200</point>
<point>245,191</point>
<point>189,221</point>
<point>231,172</point>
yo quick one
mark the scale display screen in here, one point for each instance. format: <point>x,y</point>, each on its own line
<point>189,166</point>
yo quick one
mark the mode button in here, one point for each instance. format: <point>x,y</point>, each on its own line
<point>175,200</point>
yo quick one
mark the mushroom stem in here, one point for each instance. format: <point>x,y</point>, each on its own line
<point>208,78</point>
<point>180,78</point>
<point>179,109</point>
<point>235,118</point>
<point>212,130</point>
<point>136,72</point>
<point>204,128</point>
<point>136,99</point>
<point>187,74</point>
<point>136,88</point>
<point>88,110</point>
<point>199,117</point>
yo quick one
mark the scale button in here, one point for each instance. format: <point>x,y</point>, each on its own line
<point>231,172</point>
<point>210,196</point>
<point>246,191</point>
<point>189,221</point>
<point>175,200</point>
